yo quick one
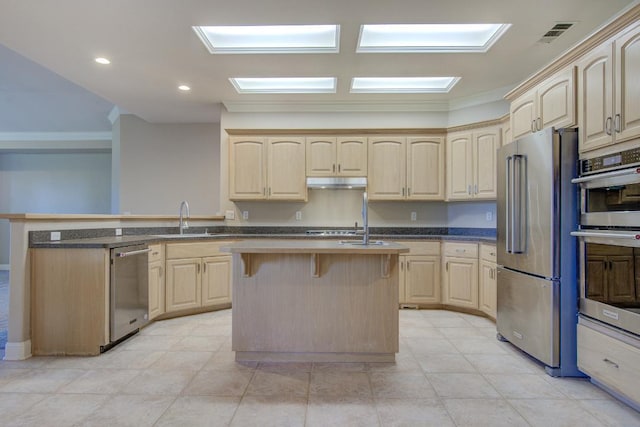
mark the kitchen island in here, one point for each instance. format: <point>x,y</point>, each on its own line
<point>321,301</point>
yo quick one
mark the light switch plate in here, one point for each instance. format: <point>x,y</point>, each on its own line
<point>245,215</point>
<point>55,235</point>
<point>414,216</point>
<point>229,215</point>
<point>489,216</point>
<point>118,231</point>
<point>298,215</point>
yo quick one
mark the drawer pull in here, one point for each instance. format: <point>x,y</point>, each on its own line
<point>492,253</point>
<point>609,362</point>
<point>461,250</point>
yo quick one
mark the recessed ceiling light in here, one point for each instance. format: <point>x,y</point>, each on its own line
<point>184,88</point>
<point>103,61</point>
<point>270,38</point>
<point>403,84</point>
<point>284,84</point>
<point>429,37</point>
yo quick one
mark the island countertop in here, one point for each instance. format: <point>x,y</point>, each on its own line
<point>257,246</point>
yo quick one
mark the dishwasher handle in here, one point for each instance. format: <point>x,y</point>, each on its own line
<point>131,253</point>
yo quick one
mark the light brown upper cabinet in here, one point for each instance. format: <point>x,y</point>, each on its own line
<point>406,168</point>
<point>267,168</point>
<point>551,103</point>
<point>336,156</point>
<point>609,92</point>
<point>471,164</point>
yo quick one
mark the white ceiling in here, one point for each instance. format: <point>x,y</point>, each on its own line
<point>153,49</point>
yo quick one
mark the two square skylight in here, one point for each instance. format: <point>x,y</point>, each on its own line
<point>397,38</point>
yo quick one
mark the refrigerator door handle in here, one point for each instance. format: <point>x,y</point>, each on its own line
<point>519,185</point>
<point>508,179</point>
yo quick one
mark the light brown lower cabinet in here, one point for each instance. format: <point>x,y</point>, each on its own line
<point>420,273</point>
<point>156,280</point>
<point>198,275</point>
<point>460,275</point>
<point>488,288</point>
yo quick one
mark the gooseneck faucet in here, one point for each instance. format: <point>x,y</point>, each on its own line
<point>183,221</point>
<point>365,218</point>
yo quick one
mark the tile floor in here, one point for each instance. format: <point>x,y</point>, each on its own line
<point>450,371</point>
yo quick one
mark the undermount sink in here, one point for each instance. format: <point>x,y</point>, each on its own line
<point>183,236</point>
<point>361,243</point>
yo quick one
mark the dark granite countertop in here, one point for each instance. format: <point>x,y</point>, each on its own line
<point>105,238</point>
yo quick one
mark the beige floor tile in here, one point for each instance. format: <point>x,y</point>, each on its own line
<point>151,342</point>
<point>449,322</point>
<point>351,411</point>
<point>577,388</point>
<point>523,386</point>
<point>285,366</point>
<point>58,410</point>
<point>199,411</point>
<point>129,410</point>
<point>100,381</point>
<point>193,360</point>
<point>478,321</point>
<point>400,385</point>
<point>266,411</point>
<point>469,332</point>
<point>41,380</point>
<point>442,363</point>
<point>340,384</point>
<point>424,346</point>
<point>211,344</point>
<point>279,383</point>
<point>130,359</point>
<point>462,386</point>
<point>437,314</point>
<point>15,404</point>
<point>219,383</point>
<point>30,363</point>
<point>220,330</point>
<point>152,381</point>
<point>477,346</point>
<point>413,412</point>
<point>7,375</point>
<point>612,413</point>
<point>483,413</point>
<point>164,327</point>
<point>340,367</point>
<point>554,412</point>
<point>501,364</point>
<point>419,332</point>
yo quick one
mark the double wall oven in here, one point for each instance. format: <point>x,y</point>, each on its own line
<point>609,238</point>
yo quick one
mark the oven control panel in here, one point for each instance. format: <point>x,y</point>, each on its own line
<point>610,161</point>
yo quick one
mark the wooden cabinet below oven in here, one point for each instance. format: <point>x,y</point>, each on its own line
<point>611,273</point>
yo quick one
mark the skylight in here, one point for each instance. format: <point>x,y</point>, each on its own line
<point>270,38</point>
<point>284,84</point>
<point>429,37</point>
<point>403,84</point>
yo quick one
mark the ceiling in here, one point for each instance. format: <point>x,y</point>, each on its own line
<point>153,49</point>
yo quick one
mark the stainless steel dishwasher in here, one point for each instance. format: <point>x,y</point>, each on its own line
<point>129,301</point>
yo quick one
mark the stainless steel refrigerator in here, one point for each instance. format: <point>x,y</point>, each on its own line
<point>537,256</point>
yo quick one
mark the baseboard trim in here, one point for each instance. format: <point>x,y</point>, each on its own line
<point>17,350</point>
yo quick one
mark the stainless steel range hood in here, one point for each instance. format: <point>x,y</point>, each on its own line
<point>337,182</point>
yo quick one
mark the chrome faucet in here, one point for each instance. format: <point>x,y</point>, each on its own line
<point>365,218</point>
<point>183,222</point>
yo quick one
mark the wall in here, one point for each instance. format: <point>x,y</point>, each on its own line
<point>162,164</point>
<point>342,207</point>
<point>52,183</point>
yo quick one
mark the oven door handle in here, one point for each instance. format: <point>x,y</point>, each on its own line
<point>131,253</point>
<point>605,235</point>
<point>605,175</point>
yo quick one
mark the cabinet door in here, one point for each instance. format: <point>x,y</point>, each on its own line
<point>596,280</point>
<point>352,156</point>
<point>156,289</point>
<point>620,279</point>
<point>523,113</point>
<point>286,169</point>
<point>422,279</point>
<point>488,288</point>
<point>485,144</point>
<point>506,135</point>
<point>627,55</point>
<point>183,284</point>
<point>595,98</point>
<point>459,166</point>
<point>216,280</point>
<point>387,169</point>
<point>247,168</point>
<point>557,100</point>
<point>461,282</point>
<point>425,168</point>
<point>321,156</point>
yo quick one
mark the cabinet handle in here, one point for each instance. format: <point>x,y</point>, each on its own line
<point>610,265</point>
<point>475,189</point>
<point>264,191</point>
<point>339,167</point>
<point>334,167</point>
<point>461,250</point>
<point>492,253</point>
<point>204,267</point>
<point>446,266</point>
<point>401,265</point>
<point>408,264</point>
<point>607,126</point>
<point>198,269</point>
<point>538,124</point>
<point>408,191</point>
<point>154,253</point>
<point>533,126</point>
<point>617,123</point>
<point>611,362</point>
<point>402,191</point>
<point>160,271</point>
<point>269,190</point>
<point>469,189</point>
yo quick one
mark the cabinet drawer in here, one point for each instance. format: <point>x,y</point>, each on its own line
<point>421,248</point>
<point>488,252</point>
<point>195,249</point>
<point>610,361</point>
<point>460,250</point>
<point>156,253</point>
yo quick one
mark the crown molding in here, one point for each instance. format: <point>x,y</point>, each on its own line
<point>115,113</point>
<point>55,136</point>
<point>30,142</point>
<point>333,107</point>
<point>480,98</point>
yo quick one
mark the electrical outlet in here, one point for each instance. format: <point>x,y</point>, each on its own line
<point>229,215</point>
<point>55,235</point>
<point>118,231</point>
<point>489,216</point>
<point>245,215</point>
<point>414,216</point>
<point>298,215</point>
